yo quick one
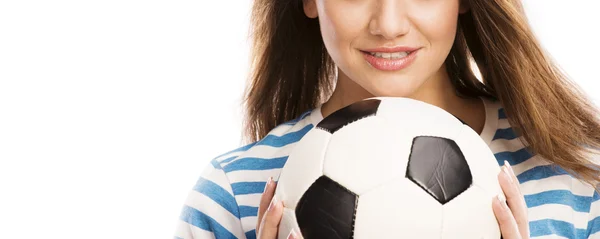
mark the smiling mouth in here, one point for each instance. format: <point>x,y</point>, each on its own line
<point>390,60</point>
<point>389,55</point>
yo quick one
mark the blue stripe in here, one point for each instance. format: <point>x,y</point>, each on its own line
<point>243,148</point>
<point>215,164</point>
<point>227,160</point>
<point>563,197</point>
<point>177,238</point>
<point>205,222</point>
<point>305,114</point>
<point>217,194</point>
<point>243,188</point>
<point>593,226</point>
<point>540,172</point>
<point>513,158</point>
<point>251,234</point>
<point>507,134</point>
<point>555,227</point>
<point>248,211</point>
<point>501,114</point>
<point>296,120</point>
<point>255,164</point>
<point>280,141</point>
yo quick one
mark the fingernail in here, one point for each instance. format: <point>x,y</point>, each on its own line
<point>509,167</point>
<point>293,234</point>
<point>506,172</point>
<point>272,205</point>
<point>502,200</point>
<point>269,180</point>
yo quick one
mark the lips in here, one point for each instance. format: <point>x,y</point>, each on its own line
<point>391,49</point>
<point>390,59</point>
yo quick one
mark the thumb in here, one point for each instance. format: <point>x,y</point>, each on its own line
<point>270,222</point>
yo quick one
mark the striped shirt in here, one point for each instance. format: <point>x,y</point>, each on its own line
<point>224,202</point>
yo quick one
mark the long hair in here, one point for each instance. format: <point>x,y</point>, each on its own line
<point>291,72</point>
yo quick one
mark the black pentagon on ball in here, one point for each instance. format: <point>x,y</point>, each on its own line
<point>438,166</point>
<point>349,114</point>
<point>327,210</point>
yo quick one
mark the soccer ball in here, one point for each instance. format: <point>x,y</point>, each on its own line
<point>389,167</point>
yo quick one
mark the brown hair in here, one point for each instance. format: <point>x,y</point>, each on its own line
<point>291,73</point>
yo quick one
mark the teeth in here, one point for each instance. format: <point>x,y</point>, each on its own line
<point>394,55</point>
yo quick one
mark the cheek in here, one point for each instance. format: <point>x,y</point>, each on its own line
<point>437,24</point>
<point>341,22</point>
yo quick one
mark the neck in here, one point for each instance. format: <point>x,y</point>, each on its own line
<point>437,90</point>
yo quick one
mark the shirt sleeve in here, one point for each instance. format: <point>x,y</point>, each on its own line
<point>593,228</point>
<point>593,231</point>
<point>210,209</point>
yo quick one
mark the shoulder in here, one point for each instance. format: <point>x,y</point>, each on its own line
<point>275,145</point>
<point>224,201</point>
<point>247,168</point>
<point>558,203</point>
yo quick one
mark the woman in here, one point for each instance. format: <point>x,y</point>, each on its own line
<point>312,57</point>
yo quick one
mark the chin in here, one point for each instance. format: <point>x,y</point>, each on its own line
<point>395,88</point>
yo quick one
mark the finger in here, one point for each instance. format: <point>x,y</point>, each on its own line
<point>516,202</point>
<point>270,223</point>
<point>506,221</point>
<point>265,199</point>
<point>512,173</point>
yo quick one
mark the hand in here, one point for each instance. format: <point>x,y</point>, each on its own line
<point>270,212</point>
<point>512,218</point>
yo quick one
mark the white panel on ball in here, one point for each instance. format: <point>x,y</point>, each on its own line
<point>365,154</point>
<point>470,216</point>
<point>303,167</point>
<point>398,209</point>
<point>482,162</point>
<point>419,118</point>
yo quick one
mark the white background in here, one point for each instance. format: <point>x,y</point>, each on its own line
<point>109,110</point>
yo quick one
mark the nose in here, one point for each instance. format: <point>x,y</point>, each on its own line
<point>390,19</point>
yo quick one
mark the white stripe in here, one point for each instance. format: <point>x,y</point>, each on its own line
<point>503,145</point>
<point>595,209</point>
<point>216,211</point>
<point>202,234</point>
<point>561,182</point>
<point>533,162</point>
<point>594,213</point>
<point>218,177</point>
<point>249,223</point>
<point>208,170</point>
<point>251,200</point>
<point>558,212</point>
<point>503,124</point>
<point>253,175</point>
<point>183,230</point>
<point>229,155</point>
<point>265,151</point>
<point>283,129</point>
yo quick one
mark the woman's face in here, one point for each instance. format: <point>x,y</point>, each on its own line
<point>354,30</point>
